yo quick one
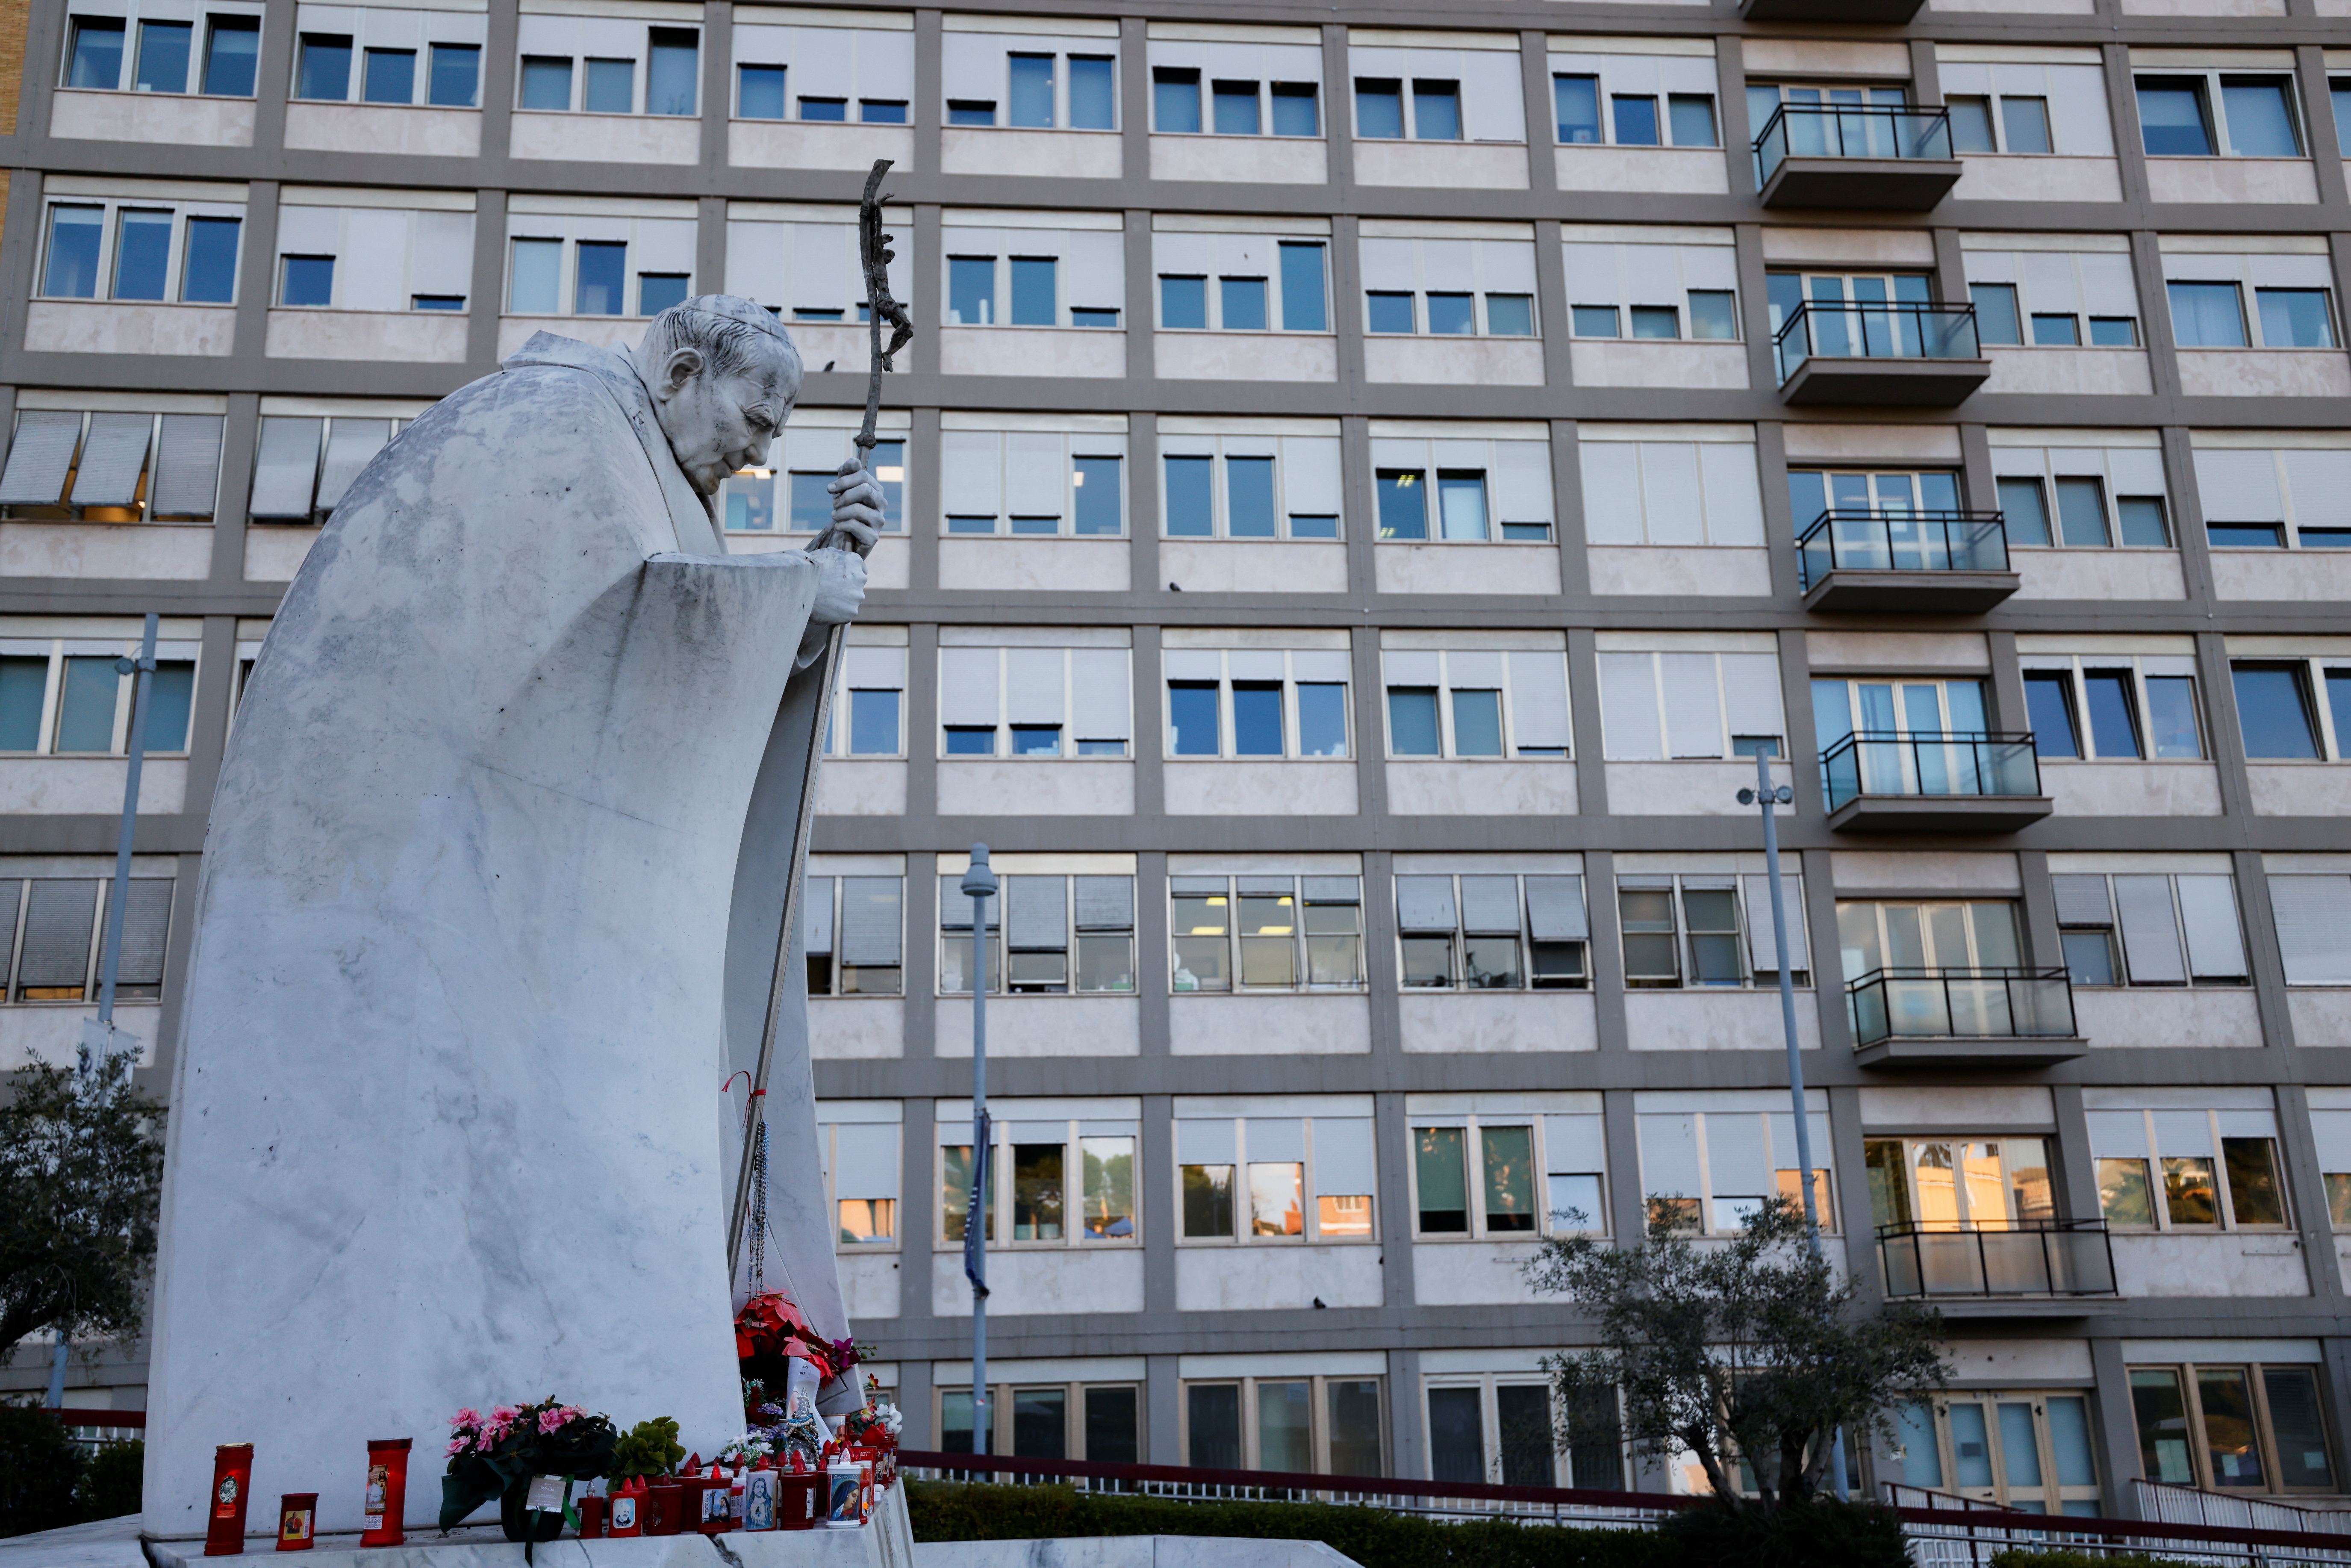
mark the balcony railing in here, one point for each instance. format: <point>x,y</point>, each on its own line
<point>1874,330</point>
<point>1849,538</point>
<point>1850,130</point>
<point>1923,763</point>
<point>2025,1258</point>
<point>1960,1004</point>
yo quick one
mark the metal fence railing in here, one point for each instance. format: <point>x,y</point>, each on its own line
<point>2016,1258</point>
<point>2177,1504</point>
<point>1874,330</point>
<point>1924,762</point>
<point>1960,1004</point>
<point>1851,538</point>
<point>1949,1532</point>
<point>1850,130</point>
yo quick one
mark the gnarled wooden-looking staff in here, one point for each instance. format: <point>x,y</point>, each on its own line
<point>874,254</point>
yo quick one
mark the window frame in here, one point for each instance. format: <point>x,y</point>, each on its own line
<point>1073,1236</point>
<point>836,895</point>
<point>1824,1188</point>
<point>181,215</point>
<point>2224,1207</point>
<point>1492,1466</point>
<point>58,651</point>
<point>1227,738</point>
<point>1246,1383</point>
<point>2264,1430</point>
<point>1302,960</point>
<point>12,949</point>
<point>2070,1496</point>
<point>829,1129</point>
<point>1072,933</point>
<point>2212,103</point>
<point>1001,1399</point>
<point>1220,494</point>
<point>1311,1196</point>
<point>2311,675</point>
<point>1479,1230</point>
<point>1673,882</point>
<point>1447,744</point>
<point>140,508</point>
<point>2075,670</point>
<point>1456,964</point>
<point>1605,104</point>
<point>2116,948</point>
<point>641,85</point>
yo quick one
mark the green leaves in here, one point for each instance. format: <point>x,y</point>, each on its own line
<point>650,1449</point>
<point>1746,1350</point>
<point>81,1168</point>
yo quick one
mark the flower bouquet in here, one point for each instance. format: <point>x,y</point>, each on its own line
<point>502,1453</point>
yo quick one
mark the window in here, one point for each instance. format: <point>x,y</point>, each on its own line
<point>794,497</point>
<point>858,1140</point>
<point>1914,737</point>
<point>1622,283</point>
<point>1686,703</point>
<point>1511,486</point>
<point>111,466</point>
<point>1950,938</point>
<point>51,928</point>
<point>2040,297</point>
<point>1243,703</point>
<point>608,53</point>
<point>304,464</point>
<point>1273,933</point>
<point>325,68</point>
<point>2245,1428</point>
<point>1041,84</point>
<point>1034,480</point>
<point>2112,706</point>
<point>1235,486</point>
<point>94,55</point>
<point>2020,1449</point>
<point>1958,1184</point>
<point>1029,701</point>
<point>1507,1426</point>
<point>1708,1160</point>
<point>457,76</point>
<point>1447,286</point>
<point>1088,1420</point>
<point>869,702</point>
<point>1215,281</point>
<point>1069,276</point>
<point>1070,934</point>
<point>2176,1165</point>
<point>1460,503</point>
<point>2076,497</point>
<point>306,280</point>
<point>855,929</point>
<point>94,46</point>
<point>1486,1169</point>
<point>2212,316</point>
<point>187,253</point>
<point>1324,1424</point>
<point>1671,493</point>
<point>2330,1127</point>
<point>1238,106</point>
<point>1683,930</point>
<point>1489,932</point>
<point>1298,1171</point>
<point>2149,928</point>
<point>1060,1173</point>
<point>2286,496</point>
<point>552,274</point>
<point>2313,912</point>
<point>2218,114</point>
<point>232,50</point>
<point>2280,712</point>
<point>759,91</point>
<point>63,697</point>
<point>1487,701</point>
<point>163,52</point>
<point>1614,98</point>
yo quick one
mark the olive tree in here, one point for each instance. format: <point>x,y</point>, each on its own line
<point>1749,1349</point>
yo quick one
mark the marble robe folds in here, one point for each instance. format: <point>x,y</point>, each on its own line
<point>490,908</point>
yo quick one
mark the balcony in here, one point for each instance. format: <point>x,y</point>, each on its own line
<point>1884,13</point>
<point>1885,353</point>
<point>1928,563</point>
<point>2030,1268</point>
<point>1878,157</point>
<point>1963,1018</point>
<point>1885,782</point>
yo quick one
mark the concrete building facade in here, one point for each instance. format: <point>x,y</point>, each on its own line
<point>1943,403</point>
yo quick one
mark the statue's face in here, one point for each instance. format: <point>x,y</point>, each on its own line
<point>717,422</point>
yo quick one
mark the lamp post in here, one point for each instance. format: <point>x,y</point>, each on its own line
<point>979,882</point>
<point>1766,796</point>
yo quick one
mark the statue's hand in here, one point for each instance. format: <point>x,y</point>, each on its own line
<point>857,504</point>
<point>839,586</point>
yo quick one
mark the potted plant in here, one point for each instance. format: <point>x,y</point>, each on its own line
<point>499,1454</point>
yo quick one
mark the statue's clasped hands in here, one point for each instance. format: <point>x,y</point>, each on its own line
<point>840,572</point>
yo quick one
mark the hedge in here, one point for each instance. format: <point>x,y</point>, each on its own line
<point>1823,1535</point>
<point>1373,1537</point>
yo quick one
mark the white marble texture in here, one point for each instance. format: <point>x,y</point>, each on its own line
<point>475,954</point>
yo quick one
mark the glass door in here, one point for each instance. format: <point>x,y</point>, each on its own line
<point>1933,957</point>
<point>1849,313</point>
<point>1876,527</point>
<point>2028,1451</point>
<point>1917,736</point>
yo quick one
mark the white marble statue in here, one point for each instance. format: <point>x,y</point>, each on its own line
<point>489,910</point>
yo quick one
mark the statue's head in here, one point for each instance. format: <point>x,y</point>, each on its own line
<point>724,376</point>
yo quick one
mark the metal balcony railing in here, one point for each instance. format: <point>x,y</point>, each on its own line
<point>1960,1004</point>
<point>1854,538</point>
<point>1874,330</point>
<point>1923,763</point>
<point>2022,1258</point>
<point>1850,130</point>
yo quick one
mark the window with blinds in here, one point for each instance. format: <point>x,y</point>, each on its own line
<point>1298,1171</point>
<point>2151,928</point>
<point>1490,932</point>
<point>854,931</point>
<point>305,463</point>
<point>1708,1162</point>
<point>1693,928</point>
<point>858,1142</point>
<point>1060,1173</point>
<point>51,929</point>
<point>1473,702</point>
<point>2187,1160</point>
<point>1266,932</point>
<point>1053,935</point>
<point>1485,1168</point>
<point>1032,701</point>
<point>2313,912</point>
<point>111,466</point>
<point>1689,703</point>
<point>64,696</point>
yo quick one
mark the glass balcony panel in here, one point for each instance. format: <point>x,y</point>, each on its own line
<point>1950,1264</point>
<point>2016,1262</point>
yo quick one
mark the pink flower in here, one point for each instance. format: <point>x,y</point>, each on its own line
<point>549,1420</point>
<point>467,1418</point>
<point>456,1445</point>
<point>505,1415</point>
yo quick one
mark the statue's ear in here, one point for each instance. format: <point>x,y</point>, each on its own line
<point>682,366</point>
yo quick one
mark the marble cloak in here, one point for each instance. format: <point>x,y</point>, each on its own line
<point>489,904</point>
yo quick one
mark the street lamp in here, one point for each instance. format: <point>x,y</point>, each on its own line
<point>1765,796</point>
<point>979,882</point>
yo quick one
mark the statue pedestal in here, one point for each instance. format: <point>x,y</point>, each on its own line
<point>886,1541</point>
